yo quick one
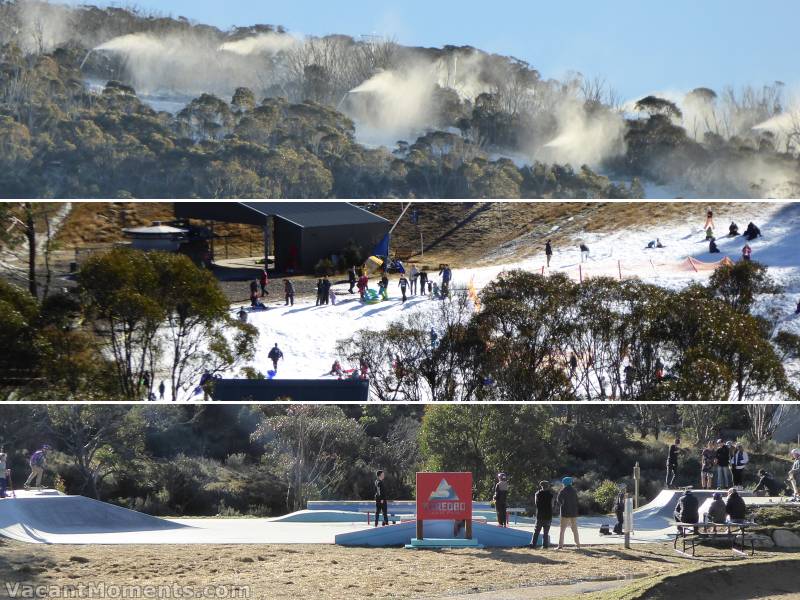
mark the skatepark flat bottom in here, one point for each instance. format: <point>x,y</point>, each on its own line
<point>49,517</point>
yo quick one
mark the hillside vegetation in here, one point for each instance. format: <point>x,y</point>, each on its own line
<point>268,115</point>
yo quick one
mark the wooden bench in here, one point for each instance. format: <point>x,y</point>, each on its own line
<point>697,534</point>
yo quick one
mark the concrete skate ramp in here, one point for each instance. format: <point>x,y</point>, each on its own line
<point>38,517</point>
<point>488,536</point>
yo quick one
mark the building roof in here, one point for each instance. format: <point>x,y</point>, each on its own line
<point>300,213</point>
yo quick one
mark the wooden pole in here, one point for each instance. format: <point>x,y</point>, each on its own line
<point>420,531</point>
<point>469,529</point>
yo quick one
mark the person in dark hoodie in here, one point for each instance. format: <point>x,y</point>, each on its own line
<point>500,499</point>
<point>735,507</point>
<point>687,510</point>
<point>567,501</point>
<point>548,252</point>
<point>619,509</point>
<point>351,278</point>
<point>712,246</point>
<point>381,500</point>
<point>319,292</point>
<point>767,483</point>
<point>752,232</point>
<point>543,500</point>
<point>672,462</point>
<point>733,230</point>
<point>717,513</point>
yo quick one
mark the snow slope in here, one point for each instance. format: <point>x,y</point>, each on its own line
<point>307,334</point>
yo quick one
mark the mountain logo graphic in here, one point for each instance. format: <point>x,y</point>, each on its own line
<point>443,492</point>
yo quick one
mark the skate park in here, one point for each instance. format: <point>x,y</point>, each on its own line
<point>50,517</point>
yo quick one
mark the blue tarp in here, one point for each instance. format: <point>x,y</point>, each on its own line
<point>382,249</point>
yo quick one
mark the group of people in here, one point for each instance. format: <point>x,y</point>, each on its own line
<point>752,232</point>
<point>37,463</point>
<point>732,509</point>
<point>546,502</point>
<point>723,464</point>
<point>548,251</point>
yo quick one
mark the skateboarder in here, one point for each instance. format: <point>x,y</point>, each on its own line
<point>38,462</point>
<point>381,500</point>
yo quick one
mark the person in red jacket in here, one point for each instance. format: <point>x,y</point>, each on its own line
<point>362,284</point>
<point>263,279</point>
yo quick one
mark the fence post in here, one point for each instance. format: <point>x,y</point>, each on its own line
<point>619,267</point>
<point>580,273</point>
<point>542,269</point>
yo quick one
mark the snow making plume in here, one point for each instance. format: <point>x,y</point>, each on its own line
<point>583,138</point>
<point>186,63</point>
<point>264,43</point>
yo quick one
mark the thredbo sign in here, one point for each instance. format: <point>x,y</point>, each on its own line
<point>444,496</point>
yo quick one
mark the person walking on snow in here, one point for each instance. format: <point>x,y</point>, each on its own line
<point>254,293</point>
<point>423,282</point>
<point>319,293</point>
<point>363,283</point>
<point>747,252</point>
<point>500,499</point>
<point>567,501</point>
<point>38,463</point>
<point>446,275</point>
<point>161,389</point>
<point>381,499</point>
<point>288,290</point>
<point>325,291</point>
<point>548,252</point>
<point>351,278</point>
<point>383,287</point>
<point>403,284</point>
<point>584,252</point>
<point>263,279</point>
<point>709,220</point>
<point>414,276</point>
<point>275,355</point>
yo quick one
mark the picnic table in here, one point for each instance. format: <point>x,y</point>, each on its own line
<point>695,534</point>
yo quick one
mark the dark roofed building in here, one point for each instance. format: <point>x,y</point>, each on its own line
<point>302,232</point>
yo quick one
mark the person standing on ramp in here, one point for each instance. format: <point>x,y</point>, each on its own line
<point>500,499</point>
<point>38,462</point>
<point>381,500</point>
<point>672,462</point>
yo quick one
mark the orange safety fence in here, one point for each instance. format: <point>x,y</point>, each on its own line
<point>629,269</point>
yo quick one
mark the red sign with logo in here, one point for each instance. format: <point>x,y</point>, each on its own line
<point>444,496</point>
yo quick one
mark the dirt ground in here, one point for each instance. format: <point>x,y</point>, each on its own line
<point>328,572</point>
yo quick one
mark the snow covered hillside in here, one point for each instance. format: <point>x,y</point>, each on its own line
<point>307,334</point>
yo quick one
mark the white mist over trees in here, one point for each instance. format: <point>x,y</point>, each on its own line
<point>728,142</point>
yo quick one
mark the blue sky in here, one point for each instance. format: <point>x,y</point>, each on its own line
<point>638,47</point>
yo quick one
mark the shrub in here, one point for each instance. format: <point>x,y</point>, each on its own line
<point>351,254</point>
<point>605,494</point>
<point>324,267</point>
